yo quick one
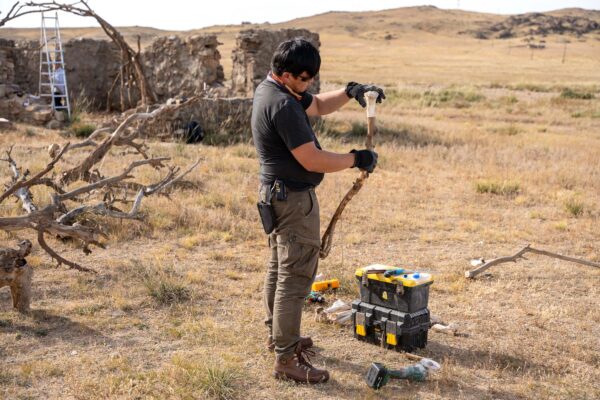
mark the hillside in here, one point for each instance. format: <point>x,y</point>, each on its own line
<point>411,45</point>
<point>372,24</point>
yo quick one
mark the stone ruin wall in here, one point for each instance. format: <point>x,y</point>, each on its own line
<point>15,83</point>
<point>19,64</point>
<point>182,67</point>
<point>91,67</point>
<point>175,67</point>
<point>7,62</point>
<point>223,120</point>
<point>252,57</point>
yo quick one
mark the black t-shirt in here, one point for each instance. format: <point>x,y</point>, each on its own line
<point>279,125</point>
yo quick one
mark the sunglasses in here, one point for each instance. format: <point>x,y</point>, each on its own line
<point>304,78</point>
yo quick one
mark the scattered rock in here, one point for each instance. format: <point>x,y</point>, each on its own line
<point>118,313</point>
<point>53,150</point>
<point>42,116</point>
<point>5,125</point>
<point>54,124</point>
<point>60,116</point>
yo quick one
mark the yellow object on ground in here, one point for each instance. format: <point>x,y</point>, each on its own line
<point>320,286</point>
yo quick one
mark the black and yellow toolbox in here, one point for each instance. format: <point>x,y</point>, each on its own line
<point>392,311</point>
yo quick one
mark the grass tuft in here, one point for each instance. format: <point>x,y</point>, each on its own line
<point>568,93</point>
<point>508,130</point>
<point>503,188</point>
<point>166,291</point>
<point>163,285</point>
<point>214,382</point>
<point>450,97</point>
<point>218,382</point>
<point>574,207</point>
<point>82,130</point>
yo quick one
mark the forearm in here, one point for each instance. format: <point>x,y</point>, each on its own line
<point>315,160</point>
<point>325,162</point>
<point>328,102</point>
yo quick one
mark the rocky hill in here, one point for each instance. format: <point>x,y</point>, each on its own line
<point>538,24</point>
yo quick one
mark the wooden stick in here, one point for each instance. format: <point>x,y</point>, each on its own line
<point>327,238</point>
<point>519,254</point>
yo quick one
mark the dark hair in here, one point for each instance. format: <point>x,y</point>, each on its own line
<point>296,56</point>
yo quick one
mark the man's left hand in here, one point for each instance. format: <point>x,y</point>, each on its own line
<point>357,91</point>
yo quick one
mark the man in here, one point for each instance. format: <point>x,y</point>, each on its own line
<point>292,164</point>
<point>59,86</point>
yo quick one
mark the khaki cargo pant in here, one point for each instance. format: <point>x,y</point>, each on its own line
<point>293,265</point>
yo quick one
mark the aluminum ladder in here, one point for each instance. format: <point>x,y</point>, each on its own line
<point>53,82</point>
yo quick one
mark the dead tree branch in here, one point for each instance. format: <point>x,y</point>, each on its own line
<point>130,58</point>
<point>15,12</point>
<point>327,238</point>
<point>520,255</point>
<point>102,149</point>
<point>56,218</point>
<point>35,180</point>
<point>157,162</point>
<point>57,257</point>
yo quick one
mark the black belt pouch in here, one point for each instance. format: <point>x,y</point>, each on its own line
<point>267,216</point>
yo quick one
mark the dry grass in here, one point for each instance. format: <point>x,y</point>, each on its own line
<point>479,154</point>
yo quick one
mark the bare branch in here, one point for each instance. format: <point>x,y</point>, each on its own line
<point>15,12</point>
<point>109,181</point>
<point>57,257</point>
<point>515,257</point>
<point>327,238</point>
<point>106,210</point>
<point>35,180</point>
<point>165,184</point>
<point>90,139</point>
<point>99,152</point>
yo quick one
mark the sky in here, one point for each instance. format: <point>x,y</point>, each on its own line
<point>193,14</point>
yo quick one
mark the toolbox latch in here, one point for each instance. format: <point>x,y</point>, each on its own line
<point>400,289</point>
<point>360,323</point>
<point>391,333</point>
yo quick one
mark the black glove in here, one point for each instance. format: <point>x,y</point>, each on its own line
<point>357,91</point>
<point>365,160</point>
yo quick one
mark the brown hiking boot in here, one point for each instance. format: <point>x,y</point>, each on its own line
<point>305,341</point>
<point>296,366</point>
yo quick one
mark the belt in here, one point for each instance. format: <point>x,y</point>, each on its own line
<point>288,187</point>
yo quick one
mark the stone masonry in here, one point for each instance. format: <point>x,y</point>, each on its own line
<point>252,57</point>
<point>183,67</point>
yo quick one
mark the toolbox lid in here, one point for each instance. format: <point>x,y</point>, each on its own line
<point>401,276</point>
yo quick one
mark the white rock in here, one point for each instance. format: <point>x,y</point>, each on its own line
<point>54,124</point>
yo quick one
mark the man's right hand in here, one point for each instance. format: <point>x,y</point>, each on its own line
<point>357,91</point>
<point>365,160</point>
